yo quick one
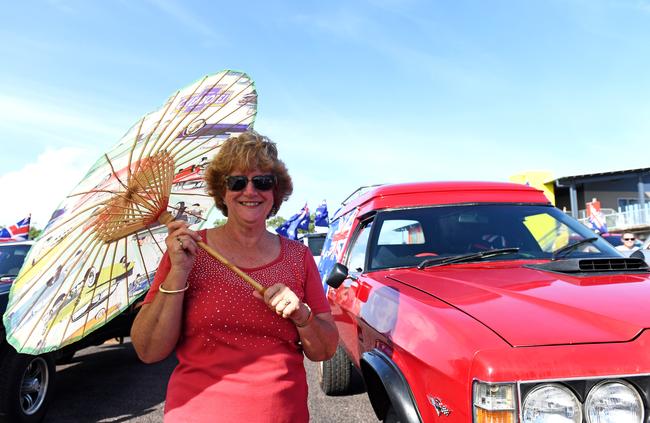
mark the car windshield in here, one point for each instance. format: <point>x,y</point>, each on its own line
<point>12,258</point>
<point>407,237</point>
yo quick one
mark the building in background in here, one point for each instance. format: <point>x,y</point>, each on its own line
<point>624,196</point>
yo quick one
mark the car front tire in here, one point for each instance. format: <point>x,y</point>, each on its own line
<point>336,375</point>
<point>26,386</point>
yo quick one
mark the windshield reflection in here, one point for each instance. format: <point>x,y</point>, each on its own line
<point>12,258</point>
<point>404,238</point>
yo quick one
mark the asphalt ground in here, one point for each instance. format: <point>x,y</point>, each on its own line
<point>109,384</point>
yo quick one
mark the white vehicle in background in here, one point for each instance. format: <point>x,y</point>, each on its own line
<point>315,243</point>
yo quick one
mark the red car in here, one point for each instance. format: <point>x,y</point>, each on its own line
<point>481,302</point>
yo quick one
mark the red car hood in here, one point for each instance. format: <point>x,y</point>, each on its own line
<point>528,307</point>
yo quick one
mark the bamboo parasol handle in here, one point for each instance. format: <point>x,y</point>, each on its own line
<point>258,287</point>
<point>166,217</point>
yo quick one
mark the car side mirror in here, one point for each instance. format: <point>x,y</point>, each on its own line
<point>337,275</point>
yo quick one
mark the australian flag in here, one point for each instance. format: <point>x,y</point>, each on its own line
<point>17,232</point>
<point>297,221</point>
<point>596,219</point>
<point>321,218</point>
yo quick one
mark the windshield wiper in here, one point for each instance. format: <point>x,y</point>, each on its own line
<point>441,261</point>
<point>563,251</point>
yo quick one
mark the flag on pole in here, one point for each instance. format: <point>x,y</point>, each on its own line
<point>596,217</point>
<point>302,222</point>
<point>282,229</point>
<point>17,232</point>
<point>321,218</point>
<point>299,220</point>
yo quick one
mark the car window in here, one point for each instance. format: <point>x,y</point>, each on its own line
<point>357,256</point>
<point>406,237</point>
<point>613,239</point>
<point>334,246</point>
<point>549,233</point>
<point>400,232</point>
<point>12,258</point>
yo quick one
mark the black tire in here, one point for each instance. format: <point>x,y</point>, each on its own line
<point>26,386</point>
<point>336,374</point>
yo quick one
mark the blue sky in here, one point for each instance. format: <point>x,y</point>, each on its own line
<point>353,92</point>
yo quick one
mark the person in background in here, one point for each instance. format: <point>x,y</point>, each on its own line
<point>628,246</point>
<point>240,353</point>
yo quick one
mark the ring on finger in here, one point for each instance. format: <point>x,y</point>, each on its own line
<point>287,302</point>
<point>180,242</point>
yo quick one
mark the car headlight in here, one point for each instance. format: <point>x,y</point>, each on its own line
<point>614,401</point>
<point>551,403</point>
<point>494,402</point>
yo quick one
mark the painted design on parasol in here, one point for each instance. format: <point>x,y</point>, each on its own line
<point>106,238</point>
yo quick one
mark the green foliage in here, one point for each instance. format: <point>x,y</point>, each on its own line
<point>219,222</point>
<point>34,232</point>
<point>275,221</point>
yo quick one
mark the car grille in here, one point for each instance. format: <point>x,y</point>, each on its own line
<point>601,265</point>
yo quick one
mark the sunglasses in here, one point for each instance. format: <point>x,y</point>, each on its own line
<point>260,182</point>
<point>628,239</point>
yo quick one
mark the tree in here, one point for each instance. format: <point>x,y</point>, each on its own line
<point>219,222</point>
<point>34,232</point>
<point>275,221</point>
<point>272,222</point>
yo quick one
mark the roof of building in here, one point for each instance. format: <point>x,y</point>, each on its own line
<point>593,177</point>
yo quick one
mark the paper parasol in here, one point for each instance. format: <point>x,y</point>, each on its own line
<point>100,250</point>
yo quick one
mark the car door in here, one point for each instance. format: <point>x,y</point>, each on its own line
<point>347,296</point>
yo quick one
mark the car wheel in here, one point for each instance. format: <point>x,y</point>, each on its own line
<point>335,374</point>
<point>26,386</point>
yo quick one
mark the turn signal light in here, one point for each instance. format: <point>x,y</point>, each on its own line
<point>494,402</point>
<point>489,416</point>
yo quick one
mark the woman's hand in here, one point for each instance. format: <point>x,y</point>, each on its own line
<point>318,334</point>
<point>181,246</point>
<point>284,302</point>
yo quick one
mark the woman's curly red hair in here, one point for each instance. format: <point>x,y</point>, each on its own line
<point>246,152</point>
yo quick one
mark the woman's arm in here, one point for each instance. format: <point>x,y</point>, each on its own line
<point>157,327</point>
<point>319,337</point>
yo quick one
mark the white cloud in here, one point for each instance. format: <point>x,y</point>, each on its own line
<point>19,111</point>
<point>40,186</point>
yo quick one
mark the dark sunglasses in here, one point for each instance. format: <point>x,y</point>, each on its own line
<point>260,182</point>
<point>628,239</point>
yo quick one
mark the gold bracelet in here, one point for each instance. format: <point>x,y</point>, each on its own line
<point>173,291</point>
<point>307,321</point>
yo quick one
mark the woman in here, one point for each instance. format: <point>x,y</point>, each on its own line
<point>240,353</point>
